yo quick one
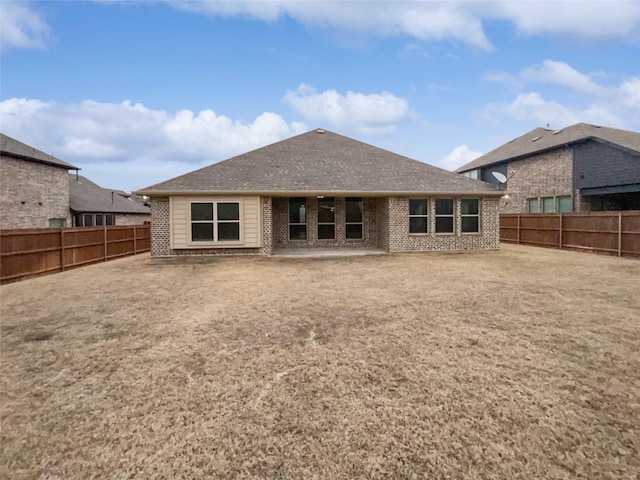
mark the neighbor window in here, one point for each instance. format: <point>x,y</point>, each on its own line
<point>444,215</point>
<point>297,218</point>
<point>99,219</point>
<point>353,218</point>
<point>111,219</point>
<point>326,218</point>
<point>57,222</point>
<point>548,205</point>
<point>472,174</point>
<point>533,205</point>
<point>565,205</point>
<point>215,221</point>
<point>470,215</point>
<point>418,215</point>
<point>87,220</point>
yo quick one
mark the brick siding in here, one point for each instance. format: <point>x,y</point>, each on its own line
<point>31,193</point>
<point>545,175</point>
<point>385,225</point>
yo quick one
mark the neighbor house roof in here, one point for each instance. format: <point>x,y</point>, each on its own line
<point>11,147</point>
<point>86,196</point>
<point>320,161</point>
<point>542,139</point>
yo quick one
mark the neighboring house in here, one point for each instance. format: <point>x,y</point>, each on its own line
<point>34,190</point>
<point>579,168</point>
<point>92,205</point>
<point>321,190</point>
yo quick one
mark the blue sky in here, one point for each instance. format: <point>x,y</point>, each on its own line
<point>135,93</point>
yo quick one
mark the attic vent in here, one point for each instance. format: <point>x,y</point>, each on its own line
<point>557,131</point>
<point>535,138</point>
<point>320,130</point>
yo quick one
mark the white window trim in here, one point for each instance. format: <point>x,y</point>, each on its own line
<point>479,215</point>
<point>452,215</point>
<point>215,222</point>
<point>556,202</point>
<point>426,216</point>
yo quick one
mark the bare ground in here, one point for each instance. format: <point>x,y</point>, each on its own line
<point>522,363</point>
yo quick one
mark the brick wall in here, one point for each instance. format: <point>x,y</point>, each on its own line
<point>281,225</point>
<point>544,175</point>
<point>160,226</point>
<point>31,193</point>
<point>401,241</point>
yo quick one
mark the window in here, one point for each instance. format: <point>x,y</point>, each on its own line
<point>326,218</point>
<point>87,220</point>
<point>565,205</point>
<point>215,221</point>
<point>99,219</point>
<point>353,218</point>
<point>57,222</point>
<point>533,205</point>
<point>470,215</point>
<point>472,174</point>
<point>418,216</point>
<point>297,218</point>
<point>444,215</point>
<point>111,219</point>
<point>548,204</point>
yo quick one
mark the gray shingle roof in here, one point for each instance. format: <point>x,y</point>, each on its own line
<point>320,161</point>
<point>86,196</point>
<point>546,139</point>
<point>13,148</point>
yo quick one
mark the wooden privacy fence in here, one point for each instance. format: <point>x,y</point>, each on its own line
<point>32,252</point>
<point>614,233</point>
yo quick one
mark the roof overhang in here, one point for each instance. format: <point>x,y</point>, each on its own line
<point>630,188</point>
<point>313,193</point>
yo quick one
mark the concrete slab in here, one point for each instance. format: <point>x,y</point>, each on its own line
<point>325,252</point>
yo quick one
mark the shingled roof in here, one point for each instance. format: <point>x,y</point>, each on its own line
<point>320,162</point>
<point>542,139</point>
<point>11,147</point>
<point>86,196</point>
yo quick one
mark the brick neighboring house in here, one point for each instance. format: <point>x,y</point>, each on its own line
<point>578,168</point>
<point>321,190</point>
<point>34,191</point>
<point>92,205</point>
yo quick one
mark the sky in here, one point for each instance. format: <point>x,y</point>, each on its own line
<point>135,93</point>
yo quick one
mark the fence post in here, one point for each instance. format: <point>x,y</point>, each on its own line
<point>62,249</point>
<point>104,232</point>
<point>135,250</point>
<point>619,234</point>
<point>518,224</point>
<point>560,233</point>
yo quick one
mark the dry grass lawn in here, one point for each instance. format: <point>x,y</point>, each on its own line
<point>523,363</point>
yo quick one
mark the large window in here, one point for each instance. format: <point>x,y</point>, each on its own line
<point>418,216</point>
<point>297,218</point>
<point>215,221</point>
<point>470,215</point>
<point>353,218</point>
<point>472,174</point>
<point>561,204</point>
<point>444,215</point>
<point>326,218</point>
<point>97,219</point>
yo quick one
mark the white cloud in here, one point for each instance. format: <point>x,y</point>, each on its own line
<point>532,108</point>
<point>93,132</point>
<point>374,114</point>
<point>562,74</point>
<point>458,157</point>
<point>21,26</point>
<point>600,20</point>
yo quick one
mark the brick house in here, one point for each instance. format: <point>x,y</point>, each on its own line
<point>35,187</point>
<point>92,205</point>
<point>579,168</point>
<point>321,190</point>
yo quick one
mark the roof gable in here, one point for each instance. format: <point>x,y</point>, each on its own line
<point>13,148</point>
<point>319,161</point>
<point>86,196</point>
<point>541,139</point>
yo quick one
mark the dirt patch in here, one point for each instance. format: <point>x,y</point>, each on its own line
<point>521,363</point>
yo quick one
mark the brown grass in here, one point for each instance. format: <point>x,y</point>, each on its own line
<point>522,363</point>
